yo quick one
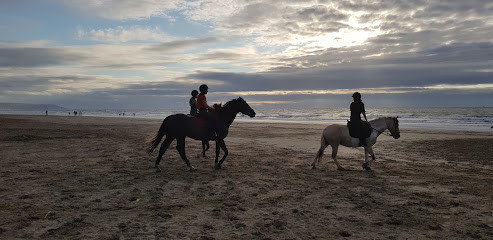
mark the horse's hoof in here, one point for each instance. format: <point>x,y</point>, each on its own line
<point>217,167</point>
<point>366,167</point>
<point>158,169</point>
<point>192,169</point>
<point>314,167</point>
<point>341,169</point>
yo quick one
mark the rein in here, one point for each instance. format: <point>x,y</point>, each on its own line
<point>380,132</point>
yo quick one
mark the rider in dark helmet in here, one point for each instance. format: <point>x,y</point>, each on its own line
<point>357,108</point>
<point>204,110</point>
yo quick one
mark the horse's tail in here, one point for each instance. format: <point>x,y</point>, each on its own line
<point>157,139</point>
<point>320,152</point>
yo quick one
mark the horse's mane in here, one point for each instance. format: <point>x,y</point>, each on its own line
<point>382,118</point>
<point>219,107</point>
<point>376,119</point>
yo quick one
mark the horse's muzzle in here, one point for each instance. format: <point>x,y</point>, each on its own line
<point>251,113</point>
<point>396,136</point>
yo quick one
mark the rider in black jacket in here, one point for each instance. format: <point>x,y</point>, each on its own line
<point>357,108</point>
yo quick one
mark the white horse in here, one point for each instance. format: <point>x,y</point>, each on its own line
<point>335,135</point>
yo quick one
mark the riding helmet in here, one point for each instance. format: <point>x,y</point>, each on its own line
<point>357,95</point>
<point>203,88</point>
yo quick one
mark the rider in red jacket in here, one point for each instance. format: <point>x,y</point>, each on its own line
<point>205,111</point>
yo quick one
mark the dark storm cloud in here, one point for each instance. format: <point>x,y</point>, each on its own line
<point>37,83</point>
<point>36,57</point>
<point>157,88</point>
<point>346,78</point>
<point>18,83</point>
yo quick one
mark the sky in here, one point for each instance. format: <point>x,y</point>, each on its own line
<point>150,54</point>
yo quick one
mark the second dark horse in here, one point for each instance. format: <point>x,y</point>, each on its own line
<point>180,126</point>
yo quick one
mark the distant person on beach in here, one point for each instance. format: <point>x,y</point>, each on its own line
<point>357,108</point>
<point>193,103</point>
<point>205,110</point>
<point>46,112</point>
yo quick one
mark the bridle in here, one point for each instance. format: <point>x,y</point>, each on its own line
<point>383,131</point>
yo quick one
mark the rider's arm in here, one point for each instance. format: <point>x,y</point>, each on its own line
<point>207,105</point>
<point>363,111</point>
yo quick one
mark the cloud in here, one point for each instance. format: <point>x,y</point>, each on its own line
<point>125,34</point>
<point>50,82</point>
<point>53,83</point>
<point>349,76</point>
<point>307,49</point>
<point>37,57</point>
<point>228,55</point>
<point>125,9</point>
<point>81,58</point>
<point>183,44</point>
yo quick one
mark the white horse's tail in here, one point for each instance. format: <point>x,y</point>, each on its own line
<point>320,151</point>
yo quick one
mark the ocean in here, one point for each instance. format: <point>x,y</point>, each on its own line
<point>467,119</point>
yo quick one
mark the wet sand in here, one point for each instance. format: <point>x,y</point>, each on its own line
<point>90,178</point>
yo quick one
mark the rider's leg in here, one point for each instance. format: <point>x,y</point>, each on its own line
<point>362,142</point>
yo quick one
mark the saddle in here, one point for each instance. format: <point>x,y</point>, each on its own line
<point>211,124</point>
<point>359,129</point>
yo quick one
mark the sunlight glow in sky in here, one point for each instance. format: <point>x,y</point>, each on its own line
<point>151,54</point>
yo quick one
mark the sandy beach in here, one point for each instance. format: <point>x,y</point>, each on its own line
<point>90,178</point>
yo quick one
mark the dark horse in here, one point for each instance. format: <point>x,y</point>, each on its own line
<point>180,126</point>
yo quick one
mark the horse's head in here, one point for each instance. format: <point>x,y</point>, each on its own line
<point>244,108</point>
<point>393,126</point>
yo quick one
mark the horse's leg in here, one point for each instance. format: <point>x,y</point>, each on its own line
<point>222,145</point>
<point>180,146</point>
<point>366,164</point>
<point>335,147</point>
<point>218,150</point>
<point>162,150</point>
<point>205,147</point>
<point>320,153</point>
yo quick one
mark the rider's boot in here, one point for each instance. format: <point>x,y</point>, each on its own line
<point>362,142</point>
